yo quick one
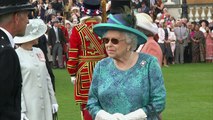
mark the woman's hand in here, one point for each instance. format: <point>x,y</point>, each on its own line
<point>119,116</point>
<point>23,116</point>
<point>103,115</point>
<point>55,108</point>
<point>136,115</point>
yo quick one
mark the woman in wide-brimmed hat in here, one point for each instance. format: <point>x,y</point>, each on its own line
<point>126,85</point>
<point>13,21</point>
<point>144,23</point>
<point>38,97</point>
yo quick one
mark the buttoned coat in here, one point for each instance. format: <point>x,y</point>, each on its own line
<point>37,91</point>
<point>10,81</point>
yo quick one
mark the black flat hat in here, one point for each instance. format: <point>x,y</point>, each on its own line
<point>117,6</point>
<point>10,6</point>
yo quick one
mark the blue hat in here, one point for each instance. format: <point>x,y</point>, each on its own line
<point>120,22</point>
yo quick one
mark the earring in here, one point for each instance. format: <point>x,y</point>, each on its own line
<point>128,49</point>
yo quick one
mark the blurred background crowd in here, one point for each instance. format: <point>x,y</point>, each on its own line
<point>197,37</point>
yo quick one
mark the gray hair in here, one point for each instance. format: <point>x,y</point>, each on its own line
<point>5,18</point>
<point>132,40</point>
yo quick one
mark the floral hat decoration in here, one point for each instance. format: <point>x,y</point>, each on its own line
<point>35,29</point>
<point>91,7</point>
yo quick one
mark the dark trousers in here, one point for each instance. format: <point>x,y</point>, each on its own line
<point>188,53</point>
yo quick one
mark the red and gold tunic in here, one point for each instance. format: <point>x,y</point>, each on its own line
<point>86,49</point>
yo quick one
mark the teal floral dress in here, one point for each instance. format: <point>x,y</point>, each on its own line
<point>117,91</point>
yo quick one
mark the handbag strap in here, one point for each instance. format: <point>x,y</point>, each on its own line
<point>55,116</point>
<point>152,112</point>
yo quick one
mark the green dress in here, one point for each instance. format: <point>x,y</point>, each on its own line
<point>117,91</point>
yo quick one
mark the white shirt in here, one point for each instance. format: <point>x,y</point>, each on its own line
<point>202,29</point>
<point>9,36</point>
<point>56,33</point>
<point>161,35</point>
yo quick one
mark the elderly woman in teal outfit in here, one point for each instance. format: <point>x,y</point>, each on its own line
<point>126,85</point>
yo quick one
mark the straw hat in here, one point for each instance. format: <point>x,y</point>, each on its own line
<point>35,29</point>
<point>120,22</point>
<point>144,21</point>
<point>10,6</point>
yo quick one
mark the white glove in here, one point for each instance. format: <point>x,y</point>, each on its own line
<point>73,80</point>
<point>119,116</point>
<point>103,115</point>
<point>23,116</point>
<point>136,115</point>
<point>54,108</point>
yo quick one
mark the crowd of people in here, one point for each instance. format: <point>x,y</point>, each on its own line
<point>176,37</point>
<point>114,65</point>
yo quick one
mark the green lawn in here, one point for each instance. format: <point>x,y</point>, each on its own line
<point>189,93</point>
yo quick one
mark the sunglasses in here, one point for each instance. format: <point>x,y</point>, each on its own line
<point>113,40</point>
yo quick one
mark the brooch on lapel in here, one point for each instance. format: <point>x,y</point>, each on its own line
<point>143,63</point>
<point>41,57</point>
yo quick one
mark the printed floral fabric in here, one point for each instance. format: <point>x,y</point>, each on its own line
<point>117,91</point>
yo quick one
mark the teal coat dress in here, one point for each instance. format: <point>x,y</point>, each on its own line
<point>117,91</point>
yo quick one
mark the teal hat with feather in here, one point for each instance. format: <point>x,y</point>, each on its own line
<point>120,22</point>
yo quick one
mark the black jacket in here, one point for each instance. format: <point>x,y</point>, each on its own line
<point>10,81</point>
<point>52,37</point>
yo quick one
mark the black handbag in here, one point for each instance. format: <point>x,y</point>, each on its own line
<point>55,116</point>
<point>152,114</point>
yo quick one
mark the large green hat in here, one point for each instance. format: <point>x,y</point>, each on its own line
<point>120,22</point>
<point>10,6</point>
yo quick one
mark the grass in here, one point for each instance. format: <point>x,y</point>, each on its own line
<point>189,93</point>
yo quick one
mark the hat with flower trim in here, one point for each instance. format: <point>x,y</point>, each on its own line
<point>35,29</point>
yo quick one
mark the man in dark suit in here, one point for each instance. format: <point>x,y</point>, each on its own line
<point>56,39</point>
<point>13,21</point>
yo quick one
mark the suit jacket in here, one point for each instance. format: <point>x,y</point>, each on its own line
<point>10,81</point>
<point>52,37</point>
